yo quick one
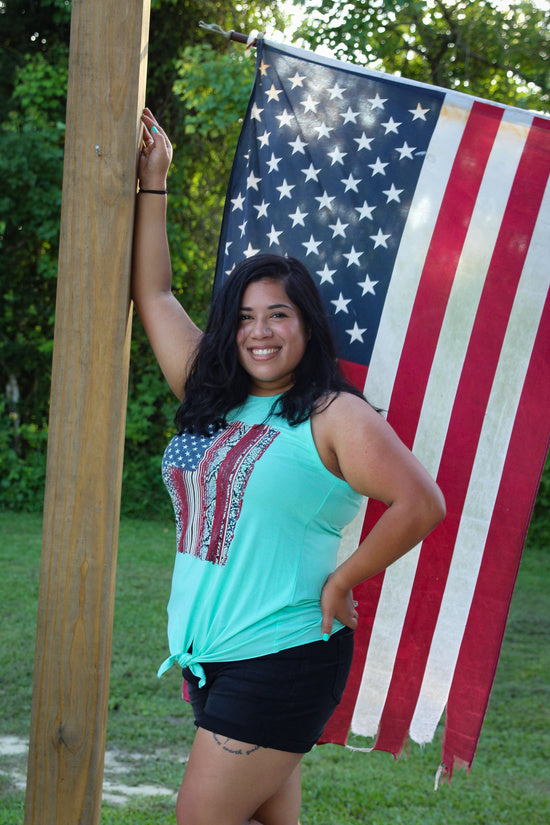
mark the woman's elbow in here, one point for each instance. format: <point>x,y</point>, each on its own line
<point>434,507</point>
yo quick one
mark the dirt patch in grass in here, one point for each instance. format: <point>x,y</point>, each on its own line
<point>120,766</point>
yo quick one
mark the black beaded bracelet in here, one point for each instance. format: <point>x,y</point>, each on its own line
<point>153,191</point>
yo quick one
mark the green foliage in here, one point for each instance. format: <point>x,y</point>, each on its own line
<point>496,51</point>
<point>21,476</point>
<point>31,167</point>
<point>33,79</point>
<point>215,88</point>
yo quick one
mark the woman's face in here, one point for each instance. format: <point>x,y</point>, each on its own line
<point>271,337</point>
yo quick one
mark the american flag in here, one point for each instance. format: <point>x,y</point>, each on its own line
<point>424,217</point>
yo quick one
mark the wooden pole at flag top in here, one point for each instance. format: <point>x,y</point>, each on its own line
<point>105,98</point>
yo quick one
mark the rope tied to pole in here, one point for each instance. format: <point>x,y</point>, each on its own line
<point>213,28</point>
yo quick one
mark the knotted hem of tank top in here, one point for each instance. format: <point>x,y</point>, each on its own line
<point>184,660</point>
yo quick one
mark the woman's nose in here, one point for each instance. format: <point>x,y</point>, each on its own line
<point>261,328</point>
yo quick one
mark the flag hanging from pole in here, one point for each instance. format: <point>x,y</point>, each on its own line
<point>424,217</point>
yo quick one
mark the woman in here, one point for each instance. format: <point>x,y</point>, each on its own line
<point>274,452</point>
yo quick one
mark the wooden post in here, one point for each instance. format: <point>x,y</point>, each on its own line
<point>107,71</point>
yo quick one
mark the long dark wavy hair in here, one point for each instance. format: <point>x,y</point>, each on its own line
<point>217,382</point>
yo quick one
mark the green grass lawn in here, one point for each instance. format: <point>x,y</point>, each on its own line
<point>150,729</point>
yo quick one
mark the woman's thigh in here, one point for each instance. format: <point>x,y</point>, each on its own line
<point>283,808</point>
<point>226,782</point>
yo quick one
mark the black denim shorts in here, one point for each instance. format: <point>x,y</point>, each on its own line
<point>281,701</point>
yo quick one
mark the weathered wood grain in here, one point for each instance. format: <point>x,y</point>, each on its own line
<point>107,70</point>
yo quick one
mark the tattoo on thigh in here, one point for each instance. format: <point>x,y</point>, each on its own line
<point>231,746</point>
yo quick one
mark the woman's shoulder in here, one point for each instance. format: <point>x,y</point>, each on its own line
<point>341,417</point>
<point>335,406</point>
<point>346,416</point>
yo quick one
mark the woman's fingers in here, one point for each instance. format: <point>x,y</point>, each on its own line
<point>154,134</point>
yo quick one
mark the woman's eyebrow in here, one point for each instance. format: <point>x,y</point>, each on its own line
<point>271,306</point>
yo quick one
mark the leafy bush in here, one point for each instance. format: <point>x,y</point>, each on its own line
<point>22,462</point>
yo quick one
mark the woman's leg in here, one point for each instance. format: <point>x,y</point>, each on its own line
<point>284,806</point>
<point>227,782</point>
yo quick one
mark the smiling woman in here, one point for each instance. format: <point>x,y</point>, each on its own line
<point>273,453</point>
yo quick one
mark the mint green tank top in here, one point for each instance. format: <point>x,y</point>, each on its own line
<point>258,523</point>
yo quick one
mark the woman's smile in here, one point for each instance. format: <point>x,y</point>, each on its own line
<point>265,352</point>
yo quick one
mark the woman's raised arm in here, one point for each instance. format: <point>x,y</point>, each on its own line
<point>173,335</point>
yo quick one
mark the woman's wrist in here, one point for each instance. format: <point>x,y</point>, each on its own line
<point>153,185</point>
<point>341,579</point>
<point>142,191</point>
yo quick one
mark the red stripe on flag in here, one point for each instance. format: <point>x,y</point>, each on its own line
<point>422,335</point>
<point>356,373</point>
<point>475,669</point>
<point>463,437</point>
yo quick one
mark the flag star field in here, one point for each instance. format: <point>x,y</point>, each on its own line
<point>325,172</point>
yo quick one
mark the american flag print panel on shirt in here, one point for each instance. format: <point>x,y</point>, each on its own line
<point>424,218</point>
<point>206,477</point>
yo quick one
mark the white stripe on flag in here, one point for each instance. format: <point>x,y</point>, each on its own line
<point>484,485</point>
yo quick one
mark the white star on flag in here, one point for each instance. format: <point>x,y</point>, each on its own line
<point>368,285</point>
<point>338,228</point>
<point>391,126</point>
<point>379,239</point>
<point>341,304</point>
<point>284,189</point>
<point>326,274</point>
<point>352,256</point>
<point>363,142</point>
<point>405,151</point>
<point>255,112</point>
<point>273,93</point>
<point>311,173</point>
<point>392,194</point>
<point>262,209</point>
<point>312,246</point>
<point>355,334</point>
<point>378,168</point>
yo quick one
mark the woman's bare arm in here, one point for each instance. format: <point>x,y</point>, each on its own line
<point>376,463</point>
<point>173,335</point>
